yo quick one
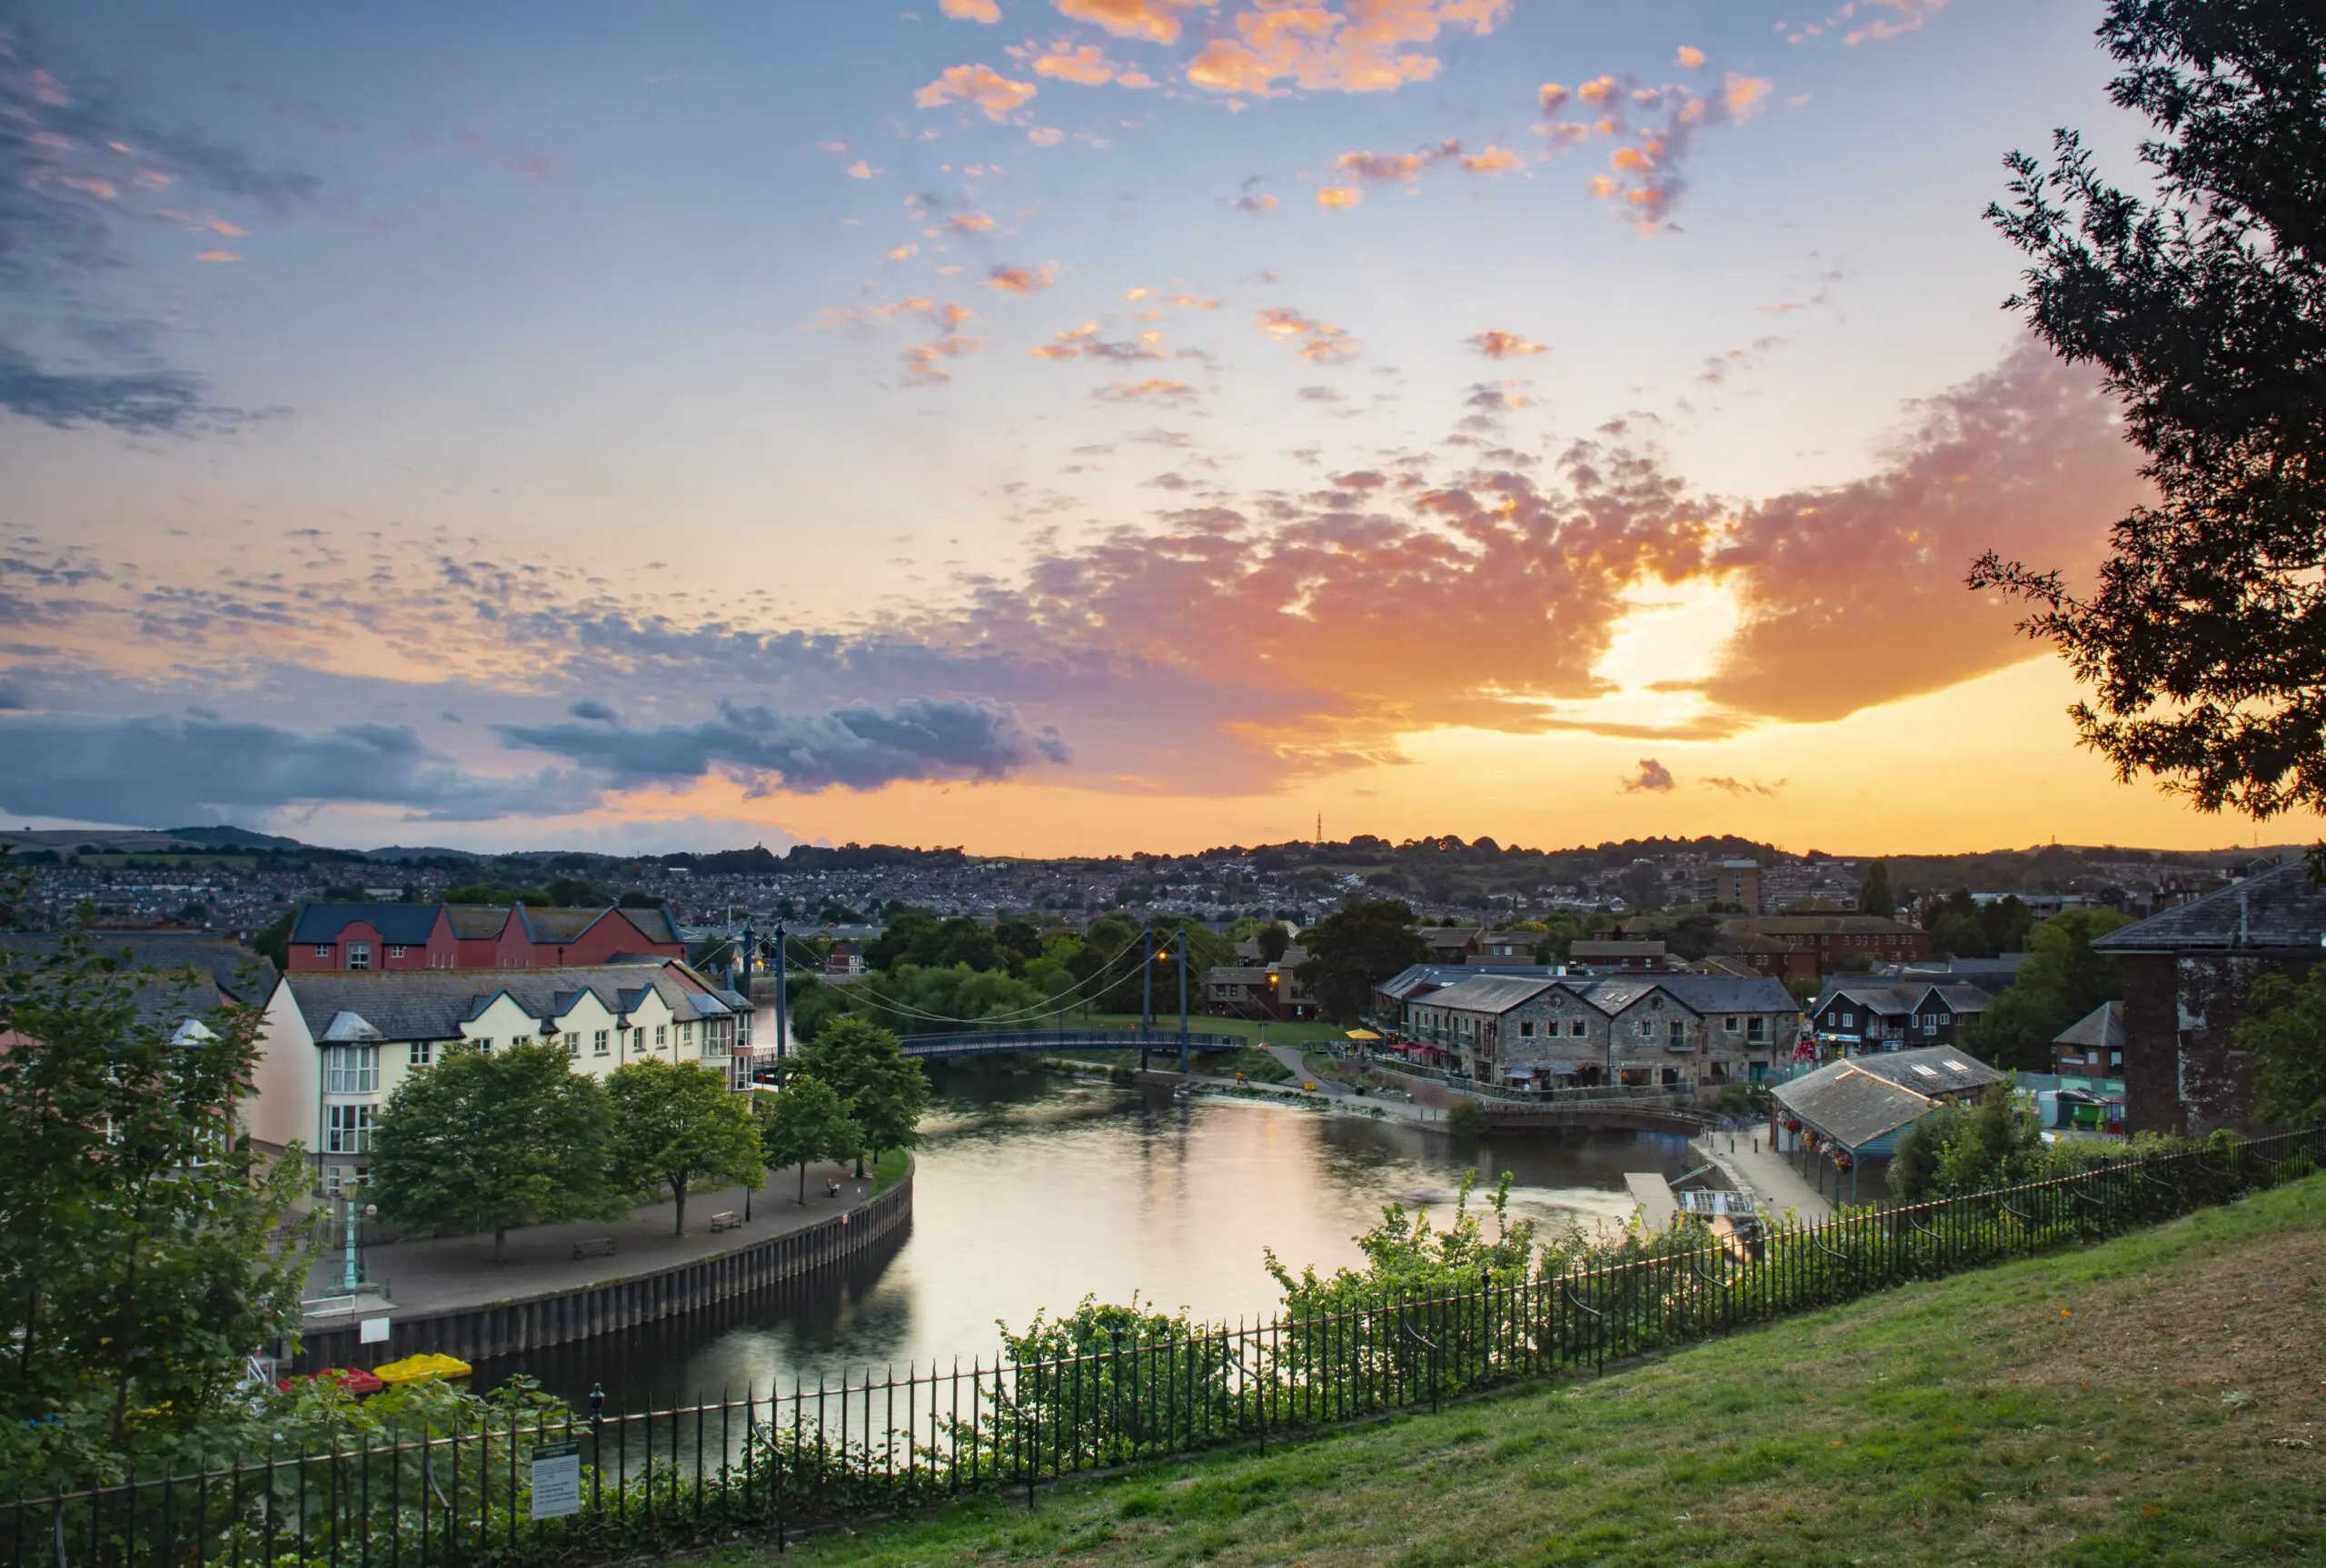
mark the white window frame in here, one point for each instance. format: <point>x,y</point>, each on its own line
<point>574,1043</point>
<point>598,1046</point>
<point>348,1129</point>
<point>323,950</point>
<point>419,1053</point>
<point>359,958</point>
<point>352,1070</point>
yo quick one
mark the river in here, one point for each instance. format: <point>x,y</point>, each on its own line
<point>1034,1190</point>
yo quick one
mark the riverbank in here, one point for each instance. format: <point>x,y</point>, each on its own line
<point>560,1284</point>
<point>2154,1398</point>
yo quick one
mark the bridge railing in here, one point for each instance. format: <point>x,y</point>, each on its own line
<point>975,1041</point>
<point>1595,1093</point>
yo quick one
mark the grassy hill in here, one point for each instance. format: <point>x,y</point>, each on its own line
<point>2160,1398</point>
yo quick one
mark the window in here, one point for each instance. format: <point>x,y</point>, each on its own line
<point>686,1034</point>
<point>323,950</point>
<point>1757,1028</point>
<point>1576,1028</point>
<point>485,1044</point>
<point>574,1044</point>
<point>419,1053</point>
<point>1525,1028</point>
<point>352,1070</point>
<point>1729,1023</point>
<point>336,1177</point>
<point>661,1035</point>
<point>395,950</point>
<point>349,1130</point>
<point>358,955</point>
<point>598,1044</point>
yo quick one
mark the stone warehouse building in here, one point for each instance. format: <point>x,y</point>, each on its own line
<point>335,1045</point>
<point>1673,1031</point>
<point>2189,975</point>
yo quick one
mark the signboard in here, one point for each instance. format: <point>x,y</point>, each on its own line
<point>375,1331</point>
<point>557,1480</point>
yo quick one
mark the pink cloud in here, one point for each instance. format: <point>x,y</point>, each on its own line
<point>981,86</point>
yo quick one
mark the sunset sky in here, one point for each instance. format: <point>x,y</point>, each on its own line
<point>1046,426</point>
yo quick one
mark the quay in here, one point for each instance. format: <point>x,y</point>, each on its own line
<point>447,1296</point>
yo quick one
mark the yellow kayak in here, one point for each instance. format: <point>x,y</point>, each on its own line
<point>420,1368</point>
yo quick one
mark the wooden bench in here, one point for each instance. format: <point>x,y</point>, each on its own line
<point>725,1219</point>
<point>594,1246</point>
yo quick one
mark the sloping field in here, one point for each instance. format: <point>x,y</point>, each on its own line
<point>2158,1399</point>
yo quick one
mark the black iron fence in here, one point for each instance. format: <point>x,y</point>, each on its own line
<point>589,1486</point>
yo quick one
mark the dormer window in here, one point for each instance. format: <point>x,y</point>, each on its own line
<point>358,955</point>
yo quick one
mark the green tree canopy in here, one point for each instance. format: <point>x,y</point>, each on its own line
<point>807,1120</point>
<point>677,1124</point>
<point>2204,310</point>
<point>1354,948</point>
<point>2062,979</point>
<point>1873,895</point>
<point>885,1090</point>
<point>490,1140</point>
<point>2286,1036</point>
<point>138,1264</point>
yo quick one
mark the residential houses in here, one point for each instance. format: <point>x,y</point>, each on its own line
<point>1620,956</point>
<point>336,1043</point>
<point>1417,980</point>
<point>354,938</point>
<point>1835,940</point>
<point>1252,987</point>
<point>1667,1031</point>
<point>2093,1046</point>
<point>2188,974</point>
<point>1853,1019</point>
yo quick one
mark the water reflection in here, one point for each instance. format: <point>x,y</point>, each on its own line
<point>1035,1191</point>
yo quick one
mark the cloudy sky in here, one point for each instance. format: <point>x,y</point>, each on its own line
<point>1042,425</point>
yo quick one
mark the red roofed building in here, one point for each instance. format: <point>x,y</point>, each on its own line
<point>358,937</point>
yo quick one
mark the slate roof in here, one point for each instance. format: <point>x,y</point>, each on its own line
<point>407,924</point>
<point>1890,1001</point>
<point>1931,1070</point>
<point>1727,993</point>
<point>1491,993</point>
<point>2103,1028</point>
<point>1816,926</point>
<point>1852,1106</point>
<point>1413,977</point>
<point>477,920</point>
<point>556,926</point>
<point>224,971</point>
<point>432,1004</point>
<point>1962,1000</point>
<point>2277,909</point>
<point>1580,950</point>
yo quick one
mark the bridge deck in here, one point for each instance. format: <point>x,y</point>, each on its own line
<point>990,1042</point>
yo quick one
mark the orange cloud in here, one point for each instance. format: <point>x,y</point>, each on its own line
<point>1087,65</point>
<point>983,86</point>
<point>1689,59</point>
<point>1337,196</point>
<point>1553,97</point>
<point>969,222</point>
<point>1021,280</point>
<point>921,368</point>
<point>1363,49</point>
<point>859,170</point>
<point>985,10</point>
<point>1388,168</point>
<point>1501,345</point>
<point>1896,17</point>
<point>1646,181</point>
<point>2028,459</point>
<point>1156,20</point>
<point>217,256</point>
<point>1318,340</point>
<point>1494,160</point>
<point>1127,392</point>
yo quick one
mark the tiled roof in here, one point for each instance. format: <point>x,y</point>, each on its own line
<point>1891,1001</point>
<point>655,924</point>
<point>1414,977</point>
<point>2280,909</point>
<point>1722,994</point>
<point>557,925</point>
<point>1852,1106</point>
<point>224,972</point>
<point>477,920</point>
<point>407,924</point>
<point>2102,1029</point>
<point>1490,993</point>
<point>1817,926</point>
<point>432,1004</point>
<point>1932,1070</point>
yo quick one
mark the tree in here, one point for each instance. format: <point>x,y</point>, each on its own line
<point>2062,979</point>
<point>1354,948</point>
<point>490,1140</point>
<point>2204,310</point>
<point>884,1089</point>
<point>1873,896</point>
<point>807,1120</point>
<point>679,1124</point>
<point>575,892</point>
<point>1273,939</point>
<point>2288,1043</point>
<point>138,1261</point>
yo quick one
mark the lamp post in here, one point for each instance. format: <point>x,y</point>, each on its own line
<point>351,1271</point>
<point>783,1008</point>
<point>1183,997</point>
<point>1146,987</point>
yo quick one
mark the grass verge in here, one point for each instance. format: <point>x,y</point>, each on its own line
<point>889,1170</point>
<point>2157,1399</point>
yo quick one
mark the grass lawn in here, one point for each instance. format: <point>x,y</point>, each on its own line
<point>1276,1033</point>
<point>2159,1399</point>
<point>890,1169</point>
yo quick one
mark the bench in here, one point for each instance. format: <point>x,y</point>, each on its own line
<point>594,1246</point>
<point>723,1220</point>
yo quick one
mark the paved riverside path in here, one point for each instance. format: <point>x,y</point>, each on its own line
<point>1302,1072</point>
<point>458,1271</point>
<point>1769,1176</point>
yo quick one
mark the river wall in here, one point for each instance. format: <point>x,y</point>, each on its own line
<point>477,1333</point>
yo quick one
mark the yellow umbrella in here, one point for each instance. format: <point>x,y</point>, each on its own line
<point>420,1368</point>
<point>1363,1035</point>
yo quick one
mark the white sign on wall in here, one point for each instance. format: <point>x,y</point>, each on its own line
<point>375,1331</point>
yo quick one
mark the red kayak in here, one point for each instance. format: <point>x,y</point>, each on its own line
<point>351,1379</point>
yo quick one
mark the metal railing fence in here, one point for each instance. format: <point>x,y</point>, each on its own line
<point>769,1464</point>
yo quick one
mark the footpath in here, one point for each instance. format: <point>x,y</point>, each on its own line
<point>450,1273</point>
<point>1753,1167</point>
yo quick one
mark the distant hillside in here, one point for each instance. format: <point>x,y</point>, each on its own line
<point>407,852</point>
<point>232,837</point>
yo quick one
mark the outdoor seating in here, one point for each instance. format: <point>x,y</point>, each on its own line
<point>594,1246</point>
<point>725,1219</point>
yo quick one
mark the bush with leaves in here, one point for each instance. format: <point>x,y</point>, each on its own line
<point>2286,1037</point>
